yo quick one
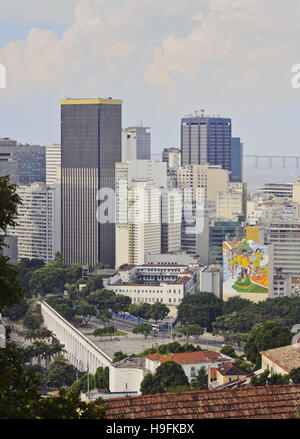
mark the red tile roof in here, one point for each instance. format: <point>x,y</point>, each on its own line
<point>189,357</point>
<point>269,402</point>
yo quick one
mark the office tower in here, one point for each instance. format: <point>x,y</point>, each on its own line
<point>90,147</point>
<point>136,143</point>
<point>53,163</point>
<point>230,202</point>
<point>220,231</point>
<point>210,178</point>
<point>9,159</point>
<point>206,140</point>
<point>236,160</point>
<point>172,156</point>
<point>144,220</point>
<point>38,222</point>
<point>171,208</point>
<point>32,164</point>
<point>126,173</point>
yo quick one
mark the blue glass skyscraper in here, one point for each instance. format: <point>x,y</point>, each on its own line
<point>236,160</point>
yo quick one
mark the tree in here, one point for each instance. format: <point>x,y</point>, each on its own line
<point>264,379</point>
<point>48,280</point>
<point>140,310</point>
<point>86,311</point>
<point>158,311</point>
<point>118,356</point>
<point>266,336</point>
<point>60,373</point>
<point>228,350</point>
<point>142,328</point>
<point>166,375</point>
<point>201,382</point>
<point>200,309</point>
<point>102,299</point>
<point>295,375</point>
<point>16,312</point>
<point>32,320</point>
<point>104,315</point>
<point>20,398</point>
<point>191,330</point>
<point>93,283</point>
<point>121,304</point>
<point>237,303</point>
<point>238,322</point>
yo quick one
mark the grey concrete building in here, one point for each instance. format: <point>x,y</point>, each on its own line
<point>9,159</point>
<point>90,147</point>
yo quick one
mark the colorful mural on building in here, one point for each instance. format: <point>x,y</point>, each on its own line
<point>245,267</point>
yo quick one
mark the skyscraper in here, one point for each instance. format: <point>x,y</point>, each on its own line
<point>32,164</point>
<point>206,140</point>
<point>136,143</point>
<point>90,147</point>
<point>236,160</point>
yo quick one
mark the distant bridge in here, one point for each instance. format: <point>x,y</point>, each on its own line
<point>283,158</point>
<point>257,158</point>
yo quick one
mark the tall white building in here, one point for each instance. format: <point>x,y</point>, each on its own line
<point>38,222</point>
<point>136,143</point>
<point>125,174</point>
<point>53,163</point>
<point>144,220</point>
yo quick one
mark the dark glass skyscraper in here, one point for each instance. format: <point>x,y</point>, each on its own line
<point>236,160</point>
<point>206,140</point>
<point>90,147</point>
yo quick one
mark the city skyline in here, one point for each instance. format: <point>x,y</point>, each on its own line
<point>247,79</point>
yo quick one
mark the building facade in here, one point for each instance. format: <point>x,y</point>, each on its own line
<point>53,163</point>
<point>236,160</point>
<point>38,222</point>
<point>90,148</point>
<point>136,143</point>
<point>206,140</point>
<point>32,164</point>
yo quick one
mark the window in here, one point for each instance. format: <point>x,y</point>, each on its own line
<point>193,371</point>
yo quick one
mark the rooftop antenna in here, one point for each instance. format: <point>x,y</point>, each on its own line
<point>202,113</point>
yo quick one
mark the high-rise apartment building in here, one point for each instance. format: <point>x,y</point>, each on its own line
<point>53,163</point>
<point>144,220</point>
<point>125,175</point>
<point>38,222</point>
<point>230,202</point>
<point>90,147</point>
<point>172,156</point>
<point>284,234</point>
<point>206,140</point>
<point>211,179</point>
<point>136,143</point>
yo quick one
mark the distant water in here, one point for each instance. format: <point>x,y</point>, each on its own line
<point>279,172</point>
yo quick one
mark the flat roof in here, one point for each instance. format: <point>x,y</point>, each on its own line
<point>86,101</point>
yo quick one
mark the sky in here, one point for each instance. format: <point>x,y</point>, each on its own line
<point>163,59</point>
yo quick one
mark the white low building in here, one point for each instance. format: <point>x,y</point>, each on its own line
<point>164,283</point>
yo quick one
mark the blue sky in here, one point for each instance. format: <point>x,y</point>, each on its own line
<point>164,59</point>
